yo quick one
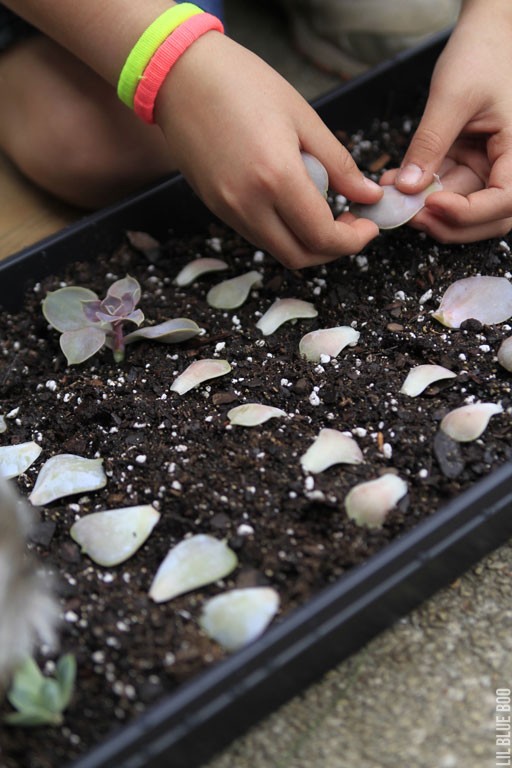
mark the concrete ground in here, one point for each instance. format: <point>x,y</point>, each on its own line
<point>422,694</point>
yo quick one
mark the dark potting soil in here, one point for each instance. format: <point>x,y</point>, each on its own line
<point>289,530</point>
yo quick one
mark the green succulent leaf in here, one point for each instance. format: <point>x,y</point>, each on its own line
<point>50,695</point>
<point>34,716</point>
<point>66,676</point>
<point>40,700</point>
<point>27,679</point>
<point>25,700</point>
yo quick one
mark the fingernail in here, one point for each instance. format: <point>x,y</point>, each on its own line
<point>409,174</point>
<point>371,184</point>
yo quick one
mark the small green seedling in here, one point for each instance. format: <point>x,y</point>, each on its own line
<point>88,324</point>
<point>41,700</point>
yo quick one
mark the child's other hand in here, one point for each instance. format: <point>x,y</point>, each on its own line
<point>465,134</point>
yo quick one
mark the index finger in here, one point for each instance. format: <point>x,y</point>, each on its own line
<point>308,215</point>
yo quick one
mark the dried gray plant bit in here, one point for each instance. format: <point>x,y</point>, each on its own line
<point>27,606</point>
<point>449,455</point>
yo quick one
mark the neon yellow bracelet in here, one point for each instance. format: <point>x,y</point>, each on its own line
<point>150,40</point>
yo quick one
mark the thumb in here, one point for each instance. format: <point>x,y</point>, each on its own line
<point>438,129</point>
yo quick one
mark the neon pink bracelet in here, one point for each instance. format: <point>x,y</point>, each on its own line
<point>164,59</point>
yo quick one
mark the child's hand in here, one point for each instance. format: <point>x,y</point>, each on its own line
<point>465,134</point>
<point>235,129</point>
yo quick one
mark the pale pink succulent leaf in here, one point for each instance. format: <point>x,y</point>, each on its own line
<point>232,293</point>
<point>316,172</point>
<point>16,459</point>
<point>198,372</point>
<point>137,317</point>
<point>66,474</point>
<point>253,414</point>
<point>64,309</point>
<point>237,617</point>
<point>469,422</point>
<point>368,503</point>
<point>169,332</point>
<point>482,297</point>
<point>330,447</point>
<point>421,376</point>
<point>82,344</point>
<point>127,289</point>
<point>92,310</point>
<point>327,341</point>
<point>505,354</point>
<point>282,311</point>
<point>395,208</point>
<point>195,269</point>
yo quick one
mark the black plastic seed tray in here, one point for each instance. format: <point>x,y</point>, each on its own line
<point>186,728</point>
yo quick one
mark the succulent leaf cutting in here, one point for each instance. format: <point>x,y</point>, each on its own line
<point>395,208</point>
<point>66,474</point>
<point>193,563</point>
<point>468,422</point>
<point>481,297</point>
<point>237,617</point>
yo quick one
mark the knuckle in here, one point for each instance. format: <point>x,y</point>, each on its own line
<point>345,162</point>
<point>317,242</point>
<point>428,141</point>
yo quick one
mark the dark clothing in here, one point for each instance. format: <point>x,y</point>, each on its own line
<point>12,28</point>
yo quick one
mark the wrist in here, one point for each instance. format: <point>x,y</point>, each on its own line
<point>186,89</point>
<point>148,65</point>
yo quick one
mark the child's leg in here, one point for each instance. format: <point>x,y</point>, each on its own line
<point>348,36</point>
<point>66,130</point>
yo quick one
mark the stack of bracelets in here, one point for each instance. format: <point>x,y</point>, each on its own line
<point>155,53</point>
